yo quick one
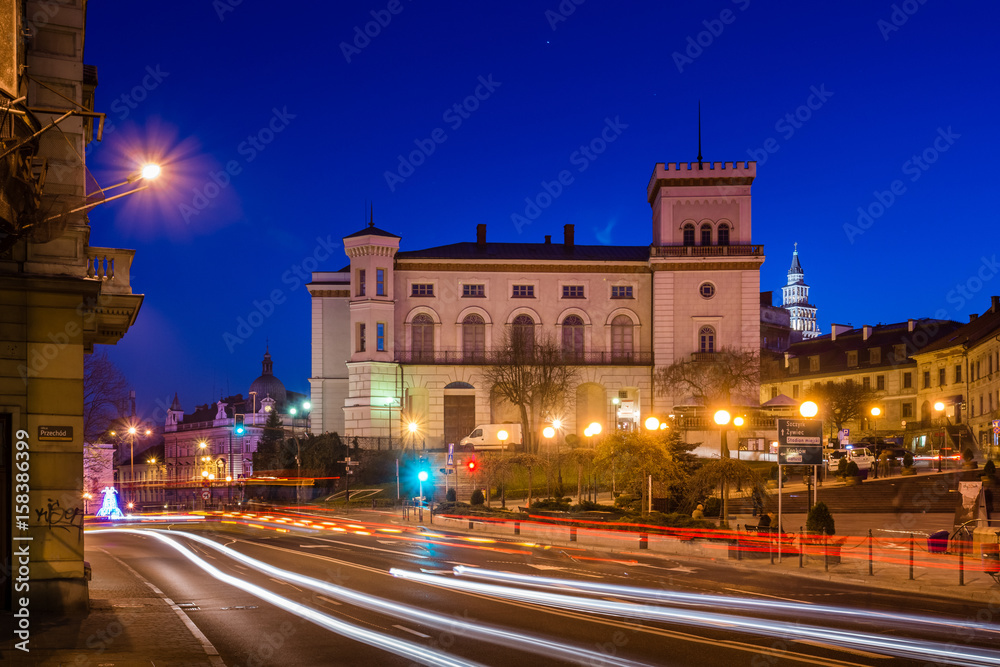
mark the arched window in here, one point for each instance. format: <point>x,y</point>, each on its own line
<point>572,338</point>
<point>422,337</point>
<point>706,234</point>
<point>621,338</point>
<point>723,234</point>
<point>523,334</point>
<point>689,234</point>
<point>474,338</point>
<point>706,340</point>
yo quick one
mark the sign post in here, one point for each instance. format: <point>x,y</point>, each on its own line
<point>348,463</point>
<point>800,442</point>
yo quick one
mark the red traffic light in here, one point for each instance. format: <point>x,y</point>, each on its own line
<point>472,466</point>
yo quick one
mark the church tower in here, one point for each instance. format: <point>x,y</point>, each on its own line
<point>795,299</point>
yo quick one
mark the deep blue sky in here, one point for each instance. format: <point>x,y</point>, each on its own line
<point>343,124</point>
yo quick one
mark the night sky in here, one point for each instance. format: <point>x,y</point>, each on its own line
<point>276,127</point>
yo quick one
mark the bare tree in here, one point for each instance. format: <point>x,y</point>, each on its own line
<point>105,394</point>
<point>634,456</point>
<point>730,375</point>
<point>529,372</point>
<point>842,402</point>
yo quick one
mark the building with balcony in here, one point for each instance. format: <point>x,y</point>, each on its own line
<point>401,335</point>
<point>60,295</point>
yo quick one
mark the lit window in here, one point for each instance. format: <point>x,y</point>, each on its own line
<point>473,291</point>
<point>380,337</point>
<point>523,292</point>
<point>379,282</point>
<point>422,289</point>
<point>707,290</point>
<point>621,291</point>
<point>572,291</point>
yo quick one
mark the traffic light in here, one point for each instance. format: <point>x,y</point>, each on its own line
<point>472,465</point>
<point>238,427</point>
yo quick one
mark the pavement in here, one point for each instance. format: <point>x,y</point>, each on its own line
<point>130,623</point>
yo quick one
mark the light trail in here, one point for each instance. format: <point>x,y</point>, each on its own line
<point>491,633</point>
<point>378,640</point>
<point>902,647</point>
<point>715,601</point>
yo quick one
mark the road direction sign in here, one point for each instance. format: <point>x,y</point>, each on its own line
<point>800,441</point>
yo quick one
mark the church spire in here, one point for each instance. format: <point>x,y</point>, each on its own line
<point>266,364</point>
<point>796,266</point>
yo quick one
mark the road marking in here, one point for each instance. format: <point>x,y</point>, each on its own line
<point>315,546</point>
<point>279,581</point>
<point>776,597</point>
<point>326,599</point>
<point>835,647</point>
<point>412,632</point>
<point>425,571</point>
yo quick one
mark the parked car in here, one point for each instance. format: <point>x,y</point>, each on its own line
<point>860,455</point>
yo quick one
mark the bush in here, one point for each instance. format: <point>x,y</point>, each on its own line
<point>852,470</point>
<point>908,460</point>
<point>713,506</point>
<point>989,469</point>
<point>820,521</point>
<point>627,501</point>
<point>451,496</point>
<point>477,497</point>
<point>591,506</point>
<point>554,504</point>
<point>968,455</point>
<point>672,520</point>
<point>842,467</point>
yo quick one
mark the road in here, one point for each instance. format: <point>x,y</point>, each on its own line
<point>339,591</point>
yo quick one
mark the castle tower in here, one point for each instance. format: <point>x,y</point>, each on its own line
<point>175,414</point>
<point>795,299</point>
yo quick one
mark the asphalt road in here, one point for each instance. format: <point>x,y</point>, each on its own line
<point>553,606</point>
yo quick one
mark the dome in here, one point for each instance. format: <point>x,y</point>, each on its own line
<point>268,385</point>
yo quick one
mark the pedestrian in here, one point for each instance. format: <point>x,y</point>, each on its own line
<point>757,501</point>
<point>764,521</point>
<point>699,512</point>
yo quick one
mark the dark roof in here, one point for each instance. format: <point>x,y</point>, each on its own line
<point>985,326</point>
<point>796,267</point>
<point>531,251</point>
<point>371,230</point>
<point>206,413</point>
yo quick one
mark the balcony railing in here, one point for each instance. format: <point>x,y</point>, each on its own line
<point>459,357</point>
<point>112,266</point>
<point>707,251</point>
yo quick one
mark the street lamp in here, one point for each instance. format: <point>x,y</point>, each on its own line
<point>502,436</point>
<point>808,409</point>
<point>652,423</point>
<point>86,503</point>
<point>939,407</point>
<point>722,419</point>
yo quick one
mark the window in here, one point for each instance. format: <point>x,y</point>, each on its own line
<point>866,383</point>
<point>793,365</point>
<point>361,337</point>
<point>907,380</point>
<point>379,282</point>
<point>814,363</point>
<point>706,340</point>
<point>880,383</point>
<point>523,334</point>
<point>774,392</point>
<point>852,357</point>
<point>572,338</point>
<point>978,371</point>
<point>907,409</point>
<point>572,291</point>
<point>361,282</point>
<point>689,234</point>
<point>621,337</point>
<point>707,290</point>
<point>958,373</point>
<point>795,391</point>
<point>706,234</point>
<point>875,355</point>
<point>422,289</point>
<point>473,291</point>
<point>474,338</point>
<point>422,337</point>
<point>899,351</point>
<point>927,379</point>
<point>941,380</point>
<point>723,234</point>
<point>621,291</point>
<point>380,337</point>
<point>523,292</point>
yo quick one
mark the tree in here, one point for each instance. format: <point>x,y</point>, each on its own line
<point>272,451</point>
<point>634,456</point>
<point>730,375</point>
<point>842,402</point>
<point>725,471</point>
<point>528,461</point>
<point>529,372</point>
<point>105,394</point>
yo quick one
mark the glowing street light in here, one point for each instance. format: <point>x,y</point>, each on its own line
<point>549,432</point>
<point>652,423</point>
<point>808,409</point>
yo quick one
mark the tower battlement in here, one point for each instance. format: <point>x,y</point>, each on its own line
<point>710,173</point>
<point>741,168</point>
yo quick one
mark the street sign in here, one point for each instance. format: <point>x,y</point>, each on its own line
<point>451,453</point>
<point>205,495</point>
<point>447,471</point>
<point>800,442</point>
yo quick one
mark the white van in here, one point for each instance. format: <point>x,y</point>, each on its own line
<point>486,437</point>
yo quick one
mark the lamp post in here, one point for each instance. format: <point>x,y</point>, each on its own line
<point>86,503</point>
<point>502,436</point>
<point>722,419</point>
<point>939,407</point>
<point>422,476</point>
<point>595,429</point>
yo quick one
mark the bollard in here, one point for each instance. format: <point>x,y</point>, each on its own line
<point>911,556</point>
<point>739,553</point>
<point>470,525</point>
<point>802,548</point>
<point>572,534</point>
<point>871,565</point>
<point>643,540</point>
<point>770,545</point>
<point>517,527</point>
<point>826,552</point>
<point>961,564</point>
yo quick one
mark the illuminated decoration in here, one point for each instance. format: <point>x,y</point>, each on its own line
<point>109,507</point>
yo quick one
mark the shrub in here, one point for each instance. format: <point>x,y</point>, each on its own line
<point>555,504</point>
<point>591,506</point>
<point>820,521</point>
<point>626,501</point>
<point>989,469</point>
<point>451,496</point>
<point>842,467</point>
<point>477,497</point>
<point>713,506</point>
<point>908,460</point>
<point>853,470</point>
<point>968,455</point>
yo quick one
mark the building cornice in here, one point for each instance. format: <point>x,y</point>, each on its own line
<point>523,267</point>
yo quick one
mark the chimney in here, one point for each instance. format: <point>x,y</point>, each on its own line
<point>838,328</point>
<point>911,325</point>
<point>973,317</point>
<point>866,332</point>
<point>787,356</point>
<point>995,304</point>
<point>481,236</point>
<point>548,239</point>
<point>568,235</point>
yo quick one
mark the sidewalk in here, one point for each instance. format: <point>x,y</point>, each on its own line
<point>128,624</point>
